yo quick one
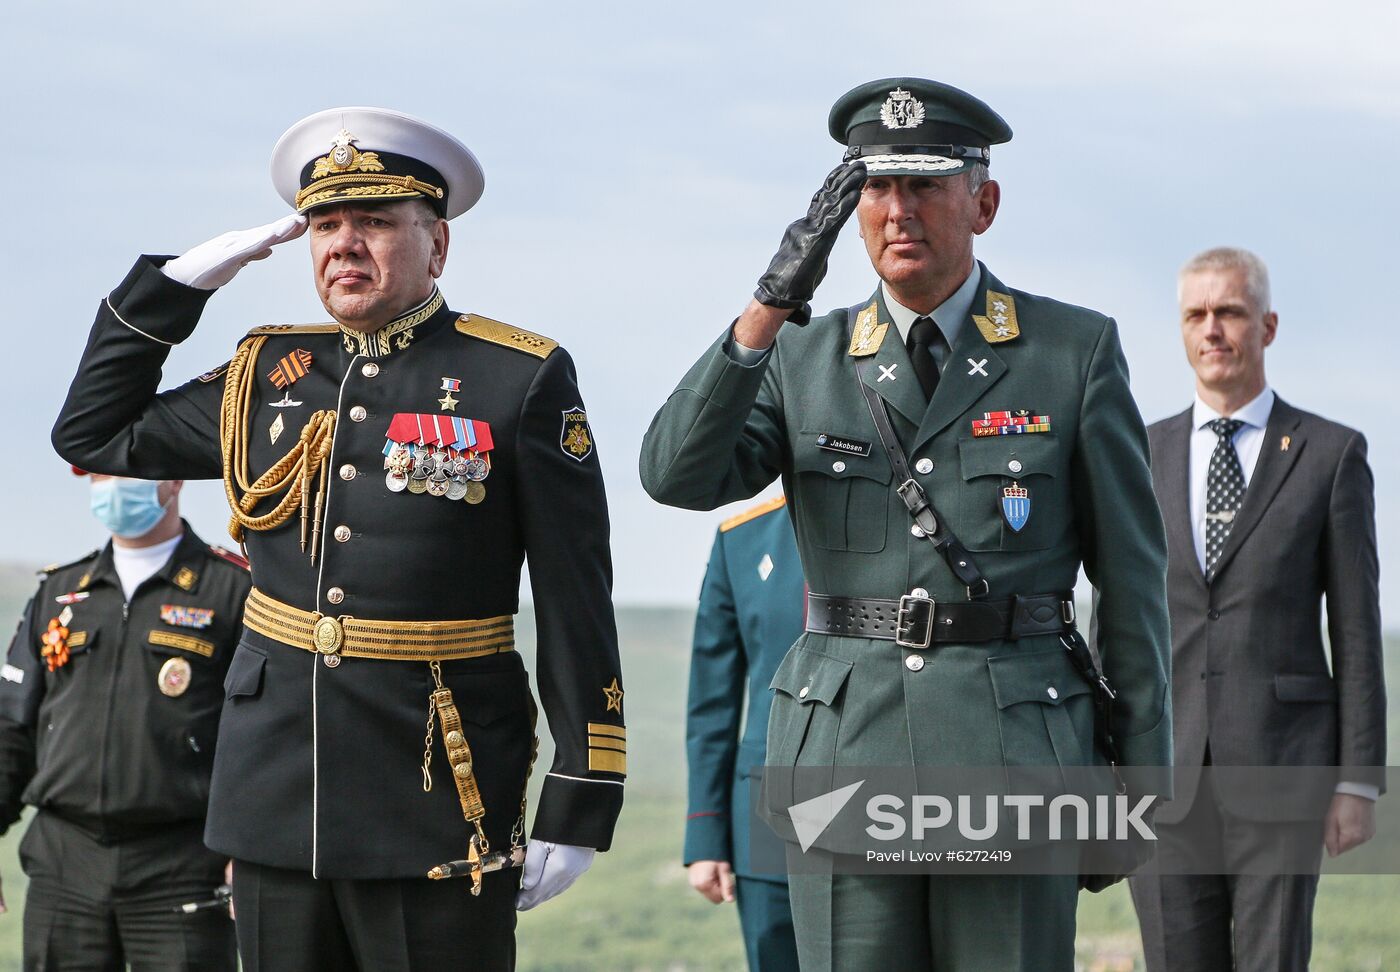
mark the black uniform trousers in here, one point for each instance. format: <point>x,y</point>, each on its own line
<point>97,906</point>
<point>289,921</point>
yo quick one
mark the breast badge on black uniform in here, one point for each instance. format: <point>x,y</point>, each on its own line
<point>55,651</point>
<point>174,678</point>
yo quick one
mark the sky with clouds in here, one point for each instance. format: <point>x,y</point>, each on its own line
<point>642,161</point>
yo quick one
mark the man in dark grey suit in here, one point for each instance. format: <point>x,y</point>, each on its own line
<point>1268,509</point>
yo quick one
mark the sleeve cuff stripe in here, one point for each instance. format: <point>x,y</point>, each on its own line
<point>603,729</point>
<point>108,301</point>
<point>583,779</point>
<point>602,742</point>
<point>607,761</point>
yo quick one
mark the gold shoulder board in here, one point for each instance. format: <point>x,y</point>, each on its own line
<point>776,503</point>
<point>474,325</point>
<point>50,568</point>
<point>294,329</point>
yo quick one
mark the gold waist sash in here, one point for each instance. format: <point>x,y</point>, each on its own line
<point>427,641</point>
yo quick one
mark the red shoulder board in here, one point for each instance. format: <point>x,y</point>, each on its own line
<point>228,555</point>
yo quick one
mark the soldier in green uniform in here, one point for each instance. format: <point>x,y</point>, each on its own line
<point>750,613</point>
<point>389,472</point>
<point>109,709</point>
<point>953,450</point>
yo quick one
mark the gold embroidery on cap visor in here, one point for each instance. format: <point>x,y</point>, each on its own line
<point>364,185</point>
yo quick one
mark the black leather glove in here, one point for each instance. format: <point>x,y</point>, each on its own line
<point>800,263</point>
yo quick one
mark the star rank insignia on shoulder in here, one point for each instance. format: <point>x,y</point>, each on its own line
<point>999,324</point>
<point>497,332</point>
<point>868,333</point>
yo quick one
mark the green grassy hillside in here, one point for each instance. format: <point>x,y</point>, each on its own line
<point>634,910</point>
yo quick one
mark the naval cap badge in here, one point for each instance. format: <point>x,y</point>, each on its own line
<point>345,157</point>
<point>902,110</point>
<point>343,151</point>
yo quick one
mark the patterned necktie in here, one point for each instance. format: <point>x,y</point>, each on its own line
<point>1225,488</point>
<point>925,340</point>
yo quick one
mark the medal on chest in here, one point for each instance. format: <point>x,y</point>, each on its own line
<point>440,455</point>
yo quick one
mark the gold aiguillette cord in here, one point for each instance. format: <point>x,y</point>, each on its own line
<point>290,475</point>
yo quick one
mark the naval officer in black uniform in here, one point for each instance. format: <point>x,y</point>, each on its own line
<point>389,472</point>
<point>109,706</point>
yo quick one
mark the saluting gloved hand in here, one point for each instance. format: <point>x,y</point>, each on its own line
<point>549,870</point>
<point>212,264</point>
<point>800,263</point>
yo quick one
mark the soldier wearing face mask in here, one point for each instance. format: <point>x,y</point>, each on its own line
<point>109,706</point>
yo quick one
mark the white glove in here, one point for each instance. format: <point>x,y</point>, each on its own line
<point>549,870</point>
<point>211,265</point>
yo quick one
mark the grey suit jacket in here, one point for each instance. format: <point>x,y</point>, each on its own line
<point>1250,675</point>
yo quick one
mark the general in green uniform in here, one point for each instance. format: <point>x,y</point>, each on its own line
<point>1016,423</point>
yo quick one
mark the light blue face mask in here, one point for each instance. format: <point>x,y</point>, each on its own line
<point>127,507</point>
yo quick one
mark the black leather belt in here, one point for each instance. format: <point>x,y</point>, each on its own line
<point>918,621</point>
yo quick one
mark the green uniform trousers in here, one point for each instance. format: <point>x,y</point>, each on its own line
<point>766,919</point>
<point>848,922</point>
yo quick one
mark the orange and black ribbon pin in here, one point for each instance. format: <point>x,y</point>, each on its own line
<point>290,368</point>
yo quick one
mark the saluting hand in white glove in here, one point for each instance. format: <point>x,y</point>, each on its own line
<point>212,264</point>
<point>549,870</point>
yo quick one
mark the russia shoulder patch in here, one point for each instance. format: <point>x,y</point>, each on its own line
<point>575,437</point>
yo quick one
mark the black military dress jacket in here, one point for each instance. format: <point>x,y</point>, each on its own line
<point>119,737</point>
<point>320,768</point>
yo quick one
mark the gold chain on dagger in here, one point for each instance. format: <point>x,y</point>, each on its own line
<point>480,858</point>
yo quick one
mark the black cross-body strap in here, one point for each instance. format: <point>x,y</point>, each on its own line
<point>934,526</point>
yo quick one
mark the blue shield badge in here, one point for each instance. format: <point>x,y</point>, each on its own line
<point>1016,506</point>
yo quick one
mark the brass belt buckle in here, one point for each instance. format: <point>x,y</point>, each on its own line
<point>913,611</point>
<point>328,635</point>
